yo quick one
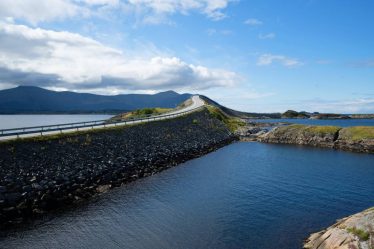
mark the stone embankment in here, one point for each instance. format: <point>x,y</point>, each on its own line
<point>353,232</point>
<point>356,139</point>
<point>38,175</point>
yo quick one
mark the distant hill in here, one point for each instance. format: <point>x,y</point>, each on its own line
<point>30,99</point>
<point>240,114</point>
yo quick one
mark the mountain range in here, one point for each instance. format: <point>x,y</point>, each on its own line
<point>31,99</point>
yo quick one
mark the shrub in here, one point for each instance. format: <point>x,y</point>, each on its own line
<point>361,234</point>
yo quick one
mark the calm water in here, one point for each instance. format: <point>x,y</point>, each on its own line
<point>336,122</point>
<point>246,195</point>
<point>18,121</point>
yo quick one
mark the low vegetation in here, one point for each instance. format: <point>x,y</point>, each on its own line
<point>232,123</point>
<point>363,235</point>
<point>141,113</point>
<point>295,114</point>
<point>309,129</point>
<point>357,133</point>
<point>322,130</point>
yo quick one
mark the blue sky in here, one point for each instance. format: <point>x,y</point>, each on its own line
<point>251,55</point>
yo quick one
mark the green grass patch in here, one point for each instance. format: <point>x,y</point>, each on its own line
<point>323,130</point>
<point>363,235</point>
<point>357,133</point>
<point>141,113</point>
<point>232,123</point>
<point>310,129</point>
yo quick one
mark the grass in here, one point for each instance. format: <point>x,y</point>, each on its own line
<point>364,236</point>
<point>232,123</point>
<point>322,130</point>
<point>354,133</point>
<point>309,129</point>
<point>141,113</point>
<point>358,133</point>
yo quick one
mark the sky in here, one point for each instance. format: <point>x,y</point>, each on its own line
<point>250,55</point>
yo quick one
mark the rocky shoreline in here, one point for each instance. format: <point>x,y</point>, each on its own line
<point>45,174</point>
<point>355,139</point>
<point>353,232</point>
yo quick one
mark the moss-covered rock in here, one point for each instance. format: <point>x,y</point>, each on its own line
<point>356,231</point>
<point>323,136</point>
<point>357,139</point>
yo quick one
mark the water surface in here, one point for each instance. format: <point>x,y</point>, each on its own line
<point>18,121</point>
<point>245,195</point>
<point>335,122</point>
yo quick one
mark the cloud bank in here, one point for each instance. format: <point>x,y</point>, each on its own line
<point>71,61</point>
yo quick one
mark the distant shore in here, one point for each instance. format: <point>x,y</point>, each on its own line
<point>355,139</point>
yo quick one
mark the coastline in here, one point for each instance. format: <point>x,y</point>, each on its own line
<point>42,175</point>
<point>354,139</point>
<point>352,232</point>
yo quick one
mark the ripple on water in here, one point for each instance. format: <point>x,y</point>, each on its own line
<point>246,195</point>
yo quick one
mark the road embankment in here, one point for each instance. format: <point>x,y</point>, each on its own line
<point>38,175</point>
<point>356,139</point>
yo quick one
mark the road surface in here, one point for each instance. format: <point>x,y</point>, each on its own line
<point>197,102</point>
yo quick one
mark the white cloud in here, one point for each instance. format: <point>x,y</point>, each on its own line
<point>69,60</point>
<point>99,2</point>
<point>268,59</point>
<point>157,11</point>
<point>266,36</point>
<point>149,11</point>
<point>253,22</point>
<point>34,11</point>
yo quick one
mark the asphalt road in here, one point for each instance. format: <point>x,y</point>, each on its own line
<point>196,103</point>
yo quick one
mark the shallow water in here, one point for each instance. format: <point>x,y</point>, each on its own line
<point>335,122</point>
<point>245,195</point>
<point>18,121</point>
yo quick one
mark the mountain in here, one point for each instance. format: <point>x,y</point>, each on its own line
<point>31,99</point>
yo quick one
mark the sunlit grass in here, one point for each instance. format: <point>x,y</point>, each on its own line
<point>232,123</point>
<point>358,132</point>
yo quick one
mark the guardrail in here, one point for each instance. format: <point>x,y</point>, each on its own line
<point>40,130</point>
